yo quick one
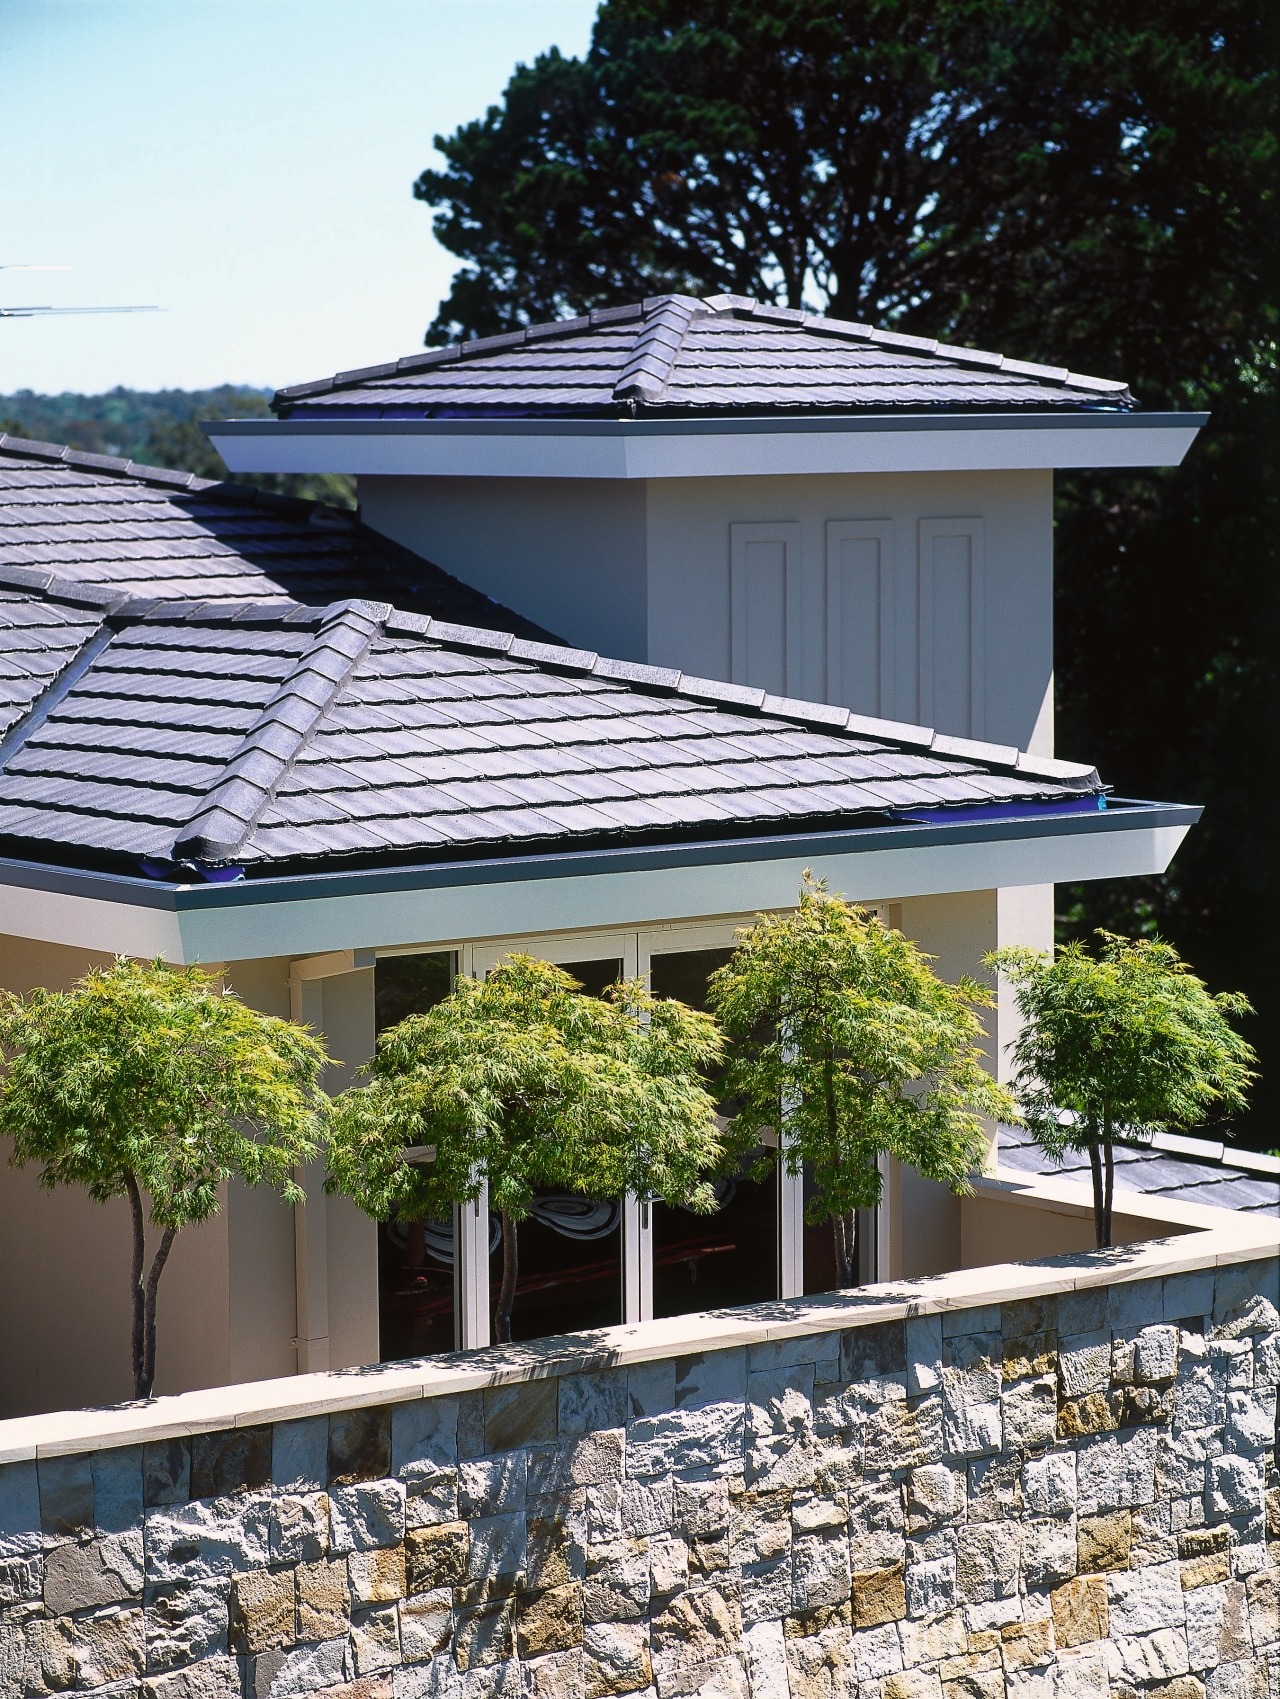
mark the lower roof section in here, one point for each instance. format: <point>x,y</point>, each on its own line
<point>439,904</point>
<point>705,448</point>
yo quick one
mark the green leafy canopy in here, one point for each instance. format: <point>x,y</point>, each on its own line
<point>158,1074</point>
<point>522,1081</point>
<point>1127,1040</point>
<point>847,1039</point>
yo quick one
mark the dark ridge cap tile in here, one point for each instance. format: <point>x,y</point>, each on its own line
<point>553,654</point>
<point>974,749</point>
<point>490,344</point>
<point>816,713</point>
<point>557,327</point>
<point>472,637</point>
<point>846,329</point>
<point>715,690</point>
<point>400,624</point>
<point>615,315</point>
<point>364,374</point>
<point>637,673</point>
<point>299,391</point>
<point>424,362</point>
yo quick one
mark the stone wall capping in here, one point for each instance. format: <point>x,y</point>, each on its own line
<point>1185,1238</point>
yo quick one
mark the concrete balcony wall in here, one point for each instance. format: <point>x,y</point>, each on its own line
<point>1040,1477</point>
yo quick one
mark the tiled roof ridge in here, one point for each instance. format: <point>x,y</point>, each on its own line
<point>655,351</point>
<point>247,785</point>
<point>166,477</point>
<point>720,306</point>
<point>638,675</point>
<point>1211,1151</point>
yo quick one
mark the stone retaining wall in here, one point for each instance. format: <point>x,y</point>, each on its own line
<point>1066,1497</point>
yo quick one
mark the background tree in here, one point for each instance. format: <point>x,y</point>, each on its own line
<point>1093,185</point>
<point>845,1038</point>
<point>1125,1042</point>
<point>154,1080</point>
<point>522,1082</point>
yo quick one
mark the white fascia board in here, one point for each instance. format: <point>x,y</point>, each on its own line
<point>701,448</point>
<point>266,919</point>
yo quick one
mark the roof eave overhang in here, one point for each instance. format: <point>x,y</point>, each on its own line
<point>714,447</point>
<point>569,890</point>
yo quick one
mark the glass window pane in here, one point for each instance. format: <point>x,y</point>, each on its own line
<point>594,976</point>
<point>415,1258</point>
<point>831,1250</point>
<point>569,1256</point>
<point>703,1262</point>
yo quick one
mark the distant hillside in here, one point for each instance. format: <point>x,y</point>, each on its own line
<point>161,428</point>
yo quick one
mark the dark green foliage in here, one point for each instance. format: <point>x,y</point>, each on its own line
<point>1092,185</point>
<point>161,428</point>
<point>1127,1042</point>
<point>522,1081</point>
<point>845,1038</point>
<point>151,1079</point>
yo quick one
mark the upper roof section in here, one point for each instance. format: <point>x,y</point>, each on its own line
<point>673,355</point>
<point>148,531</point>
<point>281,738</point>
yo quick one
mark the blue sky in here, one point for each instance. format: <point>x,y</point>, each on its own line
<point>247,165</point>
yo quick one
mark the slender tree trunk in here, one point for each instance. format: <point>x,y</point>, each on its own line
<point>507,1291</point>
<point>153,1281</point>
<point>1109,1184</point>
<point>137,1296</point>
<point>1101,1225</point>
<point>845,1230</point>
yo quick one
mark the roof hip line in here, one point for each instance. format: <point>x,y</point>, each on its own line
<point>654,353</point>
<point>248,783</point>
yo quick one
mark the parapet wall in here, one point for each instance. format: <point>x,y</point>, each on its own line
<point>1056,1481</point>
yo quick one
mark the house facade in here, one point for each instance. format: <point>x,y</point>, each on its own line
<point>802,576</point>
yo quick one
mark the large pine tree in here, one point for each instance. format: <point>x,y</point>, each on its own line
<point>1093,185</point>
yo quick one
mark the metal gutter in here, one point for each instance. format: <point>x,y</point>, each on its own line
<point>1119,816</point>
<point>785,424</point>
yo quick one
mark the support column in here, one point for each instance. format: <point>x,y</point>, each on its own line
<point>637,1259</point>
<point>790,1233</point>
<point>471,1271</point>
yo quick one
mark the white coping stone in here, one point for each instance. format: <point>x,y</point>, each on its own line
<point>1204,1238</point>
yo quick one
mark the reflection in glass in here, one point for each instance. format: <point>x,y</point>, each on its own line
<point>703,1262</point>
<point>569,1251</point>
<point>415,1258</point>
<point>569,1262</point>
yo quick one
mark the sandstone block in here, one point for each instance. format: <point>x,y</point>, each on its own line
<point>880,1596</point>
<point>66,1494</point>
<point>300,1455</point>
<point>820,1569</point>
<point>669,1556</point>
<point>987,1556</point>
<point>1141,1600</point>
<point>436,1557</point>
<point>1263,1592</point>
<point>558,1675</point>
<point>299,1529</point>
<point>1116,1471</point>
<point>1156,1656</point>
<point>685,1439</point>
<point>616,1658</point>
<point>1103,1542</point>
<point>617,1589</point>
<point>552,1557</point>
<point>766,1591</point>
<point>1093,1413</point>
<point>995,1489</point>
<point>220,1536</point>
<point>1049,1553</point>
<point>426,1625</point>
<point>298,1673</point>
<point>263,1610</point>
<point>230,1461</point>
<point>1049,1484</point>
<point>912,1684</point>
<point>931,1587</point>
<point>522,1414</point>
<point>433,1495</point>
<point>901,1436</point>
<point>166,1472</point>
<point>106,1646</point>
<point>377,1577</point>
<point>779,1431</point>
<point>696,1630</point>
<point>1155,1355</point>
<point>549,1621</point>
<point>213,1678</point>
<point>1030,1413</point>
<point>1084,1363</point>
<point>1080,1611</point>
<point>1181,1687</point>
<point>1206,1557</point>
<point>365,1517</point>
<point>1235,1487</point>
<point>323,1599</point>
<point>186,1622</point>
<point>930,1642</point>
<point>492,1485</point>
<point>821,1666</point>
<point>483,1635</point>
<point>375,1640</point>
<point>972,1429</point>
<point>81,1574</point>
<point>1217,1625</point>
<point>935,1494</point>
<point>21,1578</point>
<point>359,1446</point>
<point>424,1438</point>
<point>647,1506</point>
<point>585,1460</point>
<point>1027,1645</point>
<point>764,1653</point>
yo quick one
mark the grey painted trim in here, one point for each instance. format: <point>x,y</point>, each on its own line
<point>717,447</point>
